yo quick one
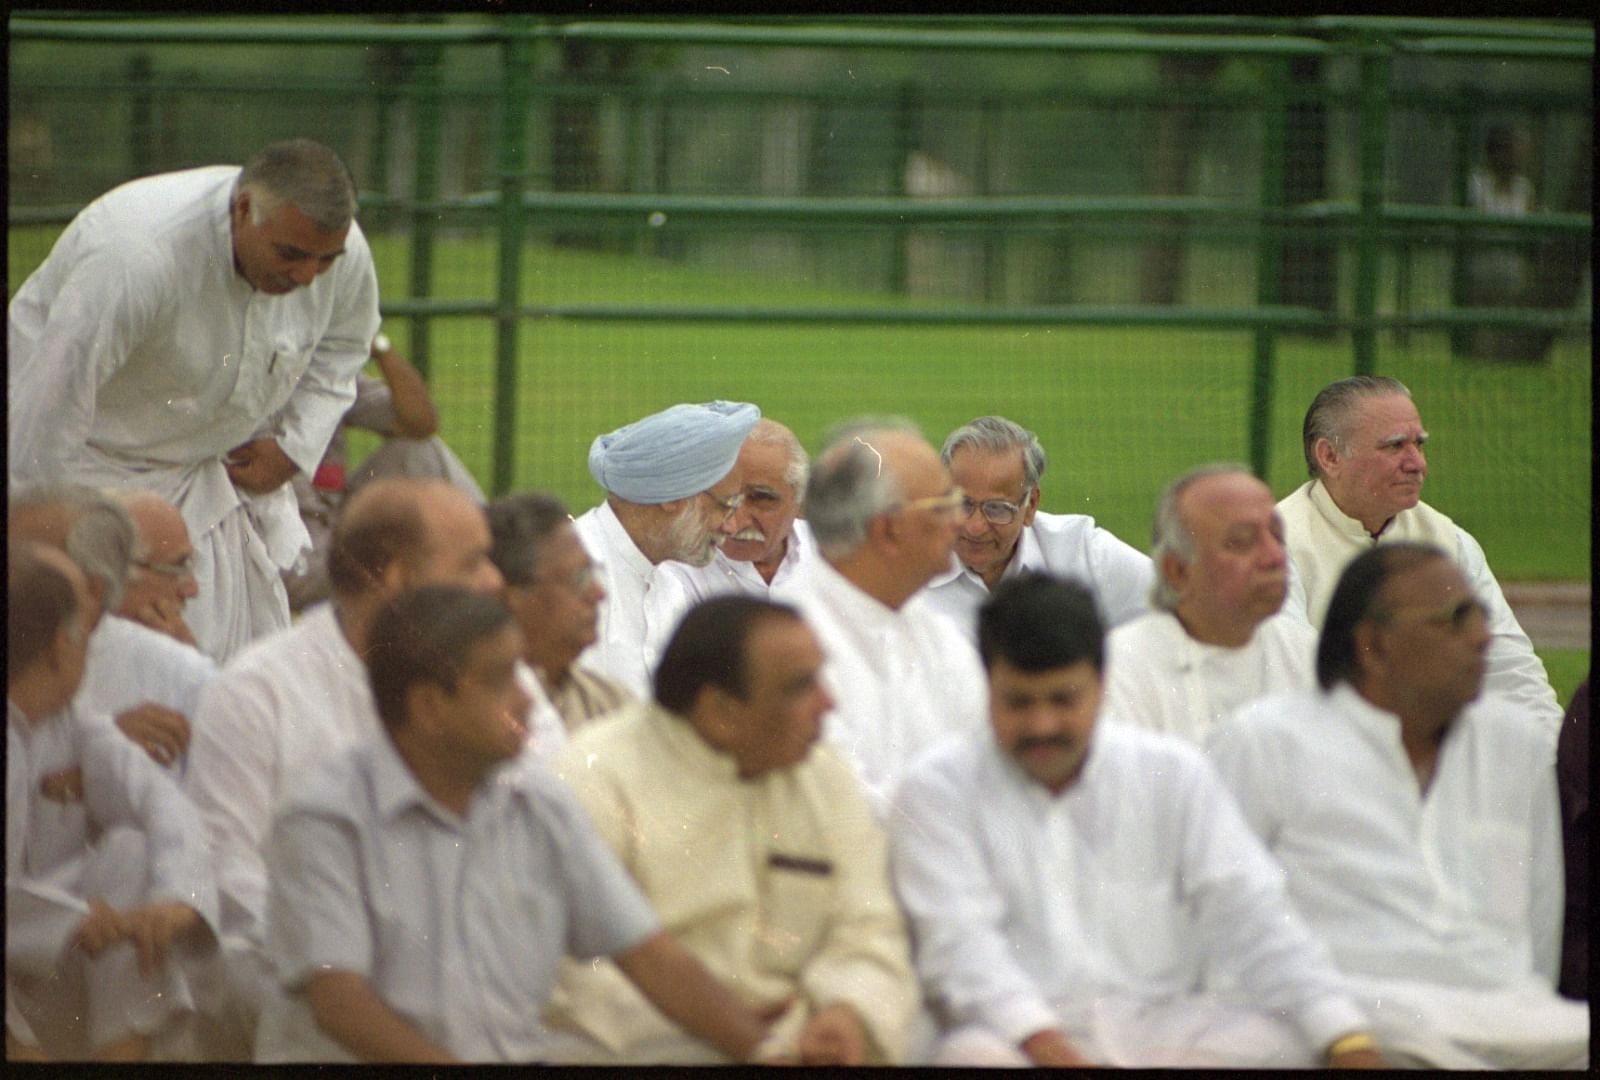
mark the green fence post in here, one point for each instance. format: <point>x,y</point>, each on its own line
<point>1269,260</point>
<point>516,82</point>
<point>427,111</point>
<point>1376,65</point>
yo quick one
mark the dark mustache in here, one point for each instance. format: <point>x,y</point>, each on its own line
<point>1059,742</point>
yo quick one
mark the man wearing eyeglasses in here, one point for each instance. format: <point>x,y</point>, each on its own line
<point>884,511</point>
<point>163,578</point>
<point>999,464</point>
<point>673,491</point>
<point>1363,441</point>
<point>1419,832</point>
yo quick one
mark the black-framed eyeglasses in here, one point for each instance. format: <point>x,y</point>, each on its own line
<point>995,511</point>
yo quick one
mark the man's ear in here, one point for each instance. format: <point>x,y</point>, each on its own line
<point>1372,658</point>
<point>1030,506</point>
<point>1327,457</point>
<point>426,702</point>
<point>713,715</point>
<point>1174,571</point>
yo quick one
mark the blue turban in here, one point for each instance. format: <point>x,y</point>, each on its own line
<point>673,454</point>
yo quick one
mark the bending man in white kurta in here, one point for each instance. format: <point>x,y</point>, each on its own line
<point>1075,889</point>
<point>883,512</point>
<point>1216,639</point>
<point>999,464</point>
<point>1421,836</point>
<point>199,333</point>
<point>673,491</point>
<point>754,845</point>
<point>1363,442</point>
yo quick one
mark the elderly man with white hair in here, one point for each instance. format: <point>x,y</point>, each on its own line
<point>998,464</point>
<point>883,511</point>
<point>1217,639</point>
<point>770,544</point>
<point>673,485</point>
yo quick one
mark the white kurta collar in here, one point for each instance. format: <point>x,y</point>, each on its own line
<point>620,547</point>
<point>1337,520</point>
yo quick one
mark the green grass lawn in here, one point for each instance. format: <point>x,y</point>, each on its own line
<point>1119,409</point>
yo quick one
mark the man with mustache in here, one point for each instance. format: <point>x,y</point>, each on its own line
<point>673,488</point>
<point>1419,834</point>
<point>199,333</point>
<point>770,544</point>
<point>1082,894</point>
<point>1216,639</point>
<point>1363,441</point>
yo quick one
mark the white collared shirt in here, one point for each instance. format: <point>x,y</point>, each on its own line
<point>902,680</point>
<point>1159,677</point>
<point>1068,546</point>
<point>1138,880</point>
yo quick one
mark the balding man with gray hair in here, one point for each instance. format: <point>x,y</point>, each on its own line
<point>1363,441</point>
<point>147,682</point>
<point>673,492</point>
<point>1003,533</point>
<point>198,333</point>
<point>1216,639</point>
<point>883,511</point>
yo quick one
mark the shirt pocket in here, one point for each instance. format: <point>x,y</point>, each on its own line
<point>266,379</point>
<point>795,912</point>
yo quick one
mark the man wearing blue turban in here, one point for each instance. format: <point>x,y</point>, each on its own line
<point>673,489</point>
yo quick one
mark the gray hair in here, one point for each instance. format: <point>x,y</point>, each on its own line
<point>1333,409</point>
<point>101,538</point>
<point>305,174</point>
<point>771,433</point>
<point>849,485</point>
<point>521,524</point>
<point>1170,533</point>
<point>997,435</point>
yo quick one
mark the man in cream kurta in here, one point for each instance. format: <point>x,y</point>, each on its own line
<point>1077,891</point>
<point>756,848</point>
<point>200,338</point>
<point>1216,639</point>
<point>672,486</point>
<point>1363,445</point>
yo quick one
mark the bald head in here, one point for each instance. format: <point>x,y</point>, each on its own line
<point>403,532</point>
<point>163,577</point>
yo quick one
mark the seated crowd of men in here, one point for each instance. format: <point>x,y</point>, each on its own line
<point>860,760</point>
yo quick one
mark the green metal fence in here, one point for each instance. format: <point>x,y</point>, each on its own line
<point>1270,180</point>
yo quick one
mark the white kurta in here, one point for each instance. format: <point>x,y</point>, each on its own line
<point>62,851</point>
<point>130,665</point>
<point>1431,903</point>
<point>778,884</point>
<point>1322,540</point>
<point>139,357</point>
<point>676,586</point>
<point>1159,677</point>
<point>901,681</point>
<point>1136,884</point>
<point>1066,545</point>
<point>622,648</point>
<point>457,923</point>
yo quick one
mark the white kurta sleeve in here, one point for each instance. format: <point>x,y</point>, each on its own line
<point>1515,672</point>
<point>327,389</point>
<point>319,918</point>
<point>95,318</point>
<point>1121,577</point>
<point>232,768</point>
<point>121,785</point>
<point>1237,894</point>
<point>963,959</point>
